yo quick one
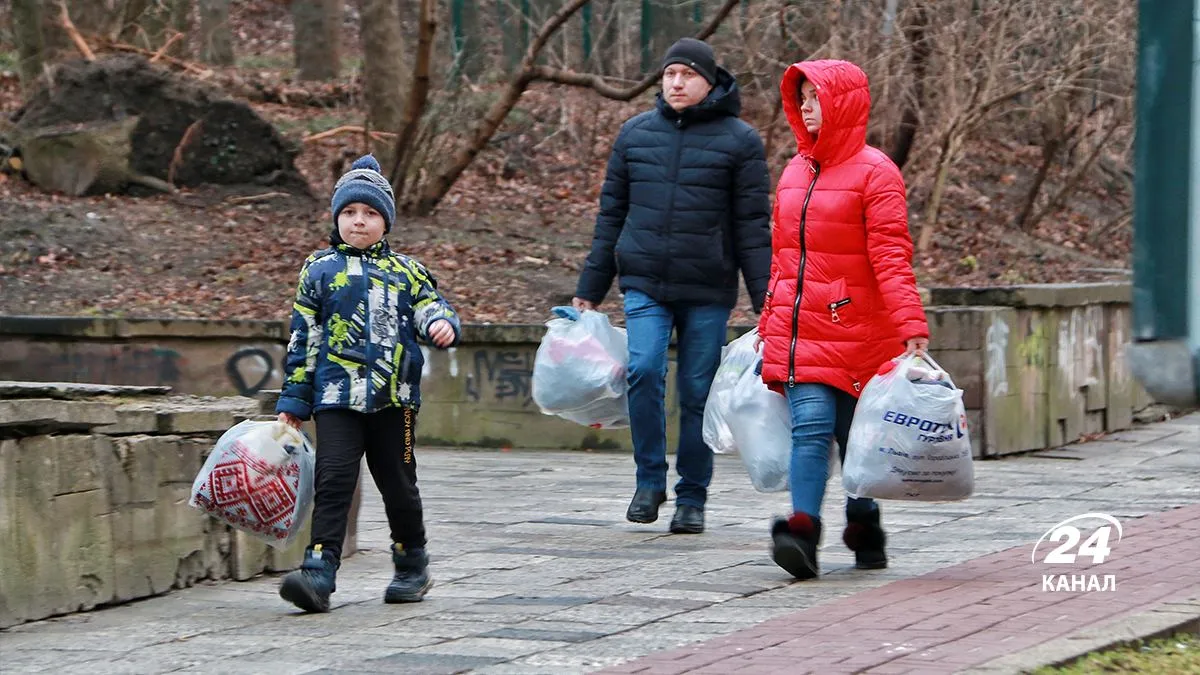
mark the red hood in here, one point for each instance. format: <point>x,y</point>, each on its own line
<point>845,100</point>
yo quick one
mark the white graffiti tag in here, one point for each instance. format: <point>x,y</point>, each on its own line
<point>997,365</point>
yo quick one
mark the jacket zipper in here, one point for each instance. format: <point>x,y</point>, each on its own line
<point>366,275</point>
<point>671,203</point>
<point>800,277</point>
<point>833,308</point>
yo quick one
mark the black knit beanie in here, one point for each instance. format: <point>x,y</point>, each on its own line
<point>695,54</point>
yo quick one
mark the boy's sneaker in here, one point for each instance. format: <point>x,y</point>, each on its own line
<point>864,535</point>
<point>310,586</point>
<point>794,545</point>
<point>412,579</point>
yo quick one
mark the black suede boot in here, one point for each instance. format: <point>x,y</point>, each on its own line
<point>310,586</point>
<point>794,545</point>
<point>864,535</point>
<point>644,506</point>
<point>412,579</point>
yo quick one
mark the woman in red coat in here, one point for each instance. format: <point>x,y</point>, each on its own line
<point>842,298</point>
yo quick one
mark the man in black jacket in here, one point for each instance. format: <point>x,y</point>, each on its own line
<point>684,206</point>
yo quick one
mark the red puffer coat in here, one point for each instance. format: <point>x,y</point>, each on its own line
<point>842,298</point>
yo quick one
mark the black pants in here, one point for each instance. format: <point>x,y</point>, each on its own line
<point>386,437</point>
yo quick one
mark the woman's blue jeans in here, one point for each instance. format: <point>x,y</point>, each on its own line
<point>820,413</point>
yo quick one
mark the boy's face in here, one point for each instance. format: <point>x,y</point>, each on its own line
<point>360,225</point>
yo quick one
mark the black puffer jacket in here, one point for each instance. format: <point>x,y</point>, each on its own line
<point>685,204</point>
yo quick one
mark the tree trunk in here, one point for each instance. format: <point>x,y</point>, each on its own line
<point>918,58</point>
<point>383,70</point>
<point>26,19</point>
<point>466,39</point>
<point>216,39</point>
<point>415,105</point>
<point>317,39</point>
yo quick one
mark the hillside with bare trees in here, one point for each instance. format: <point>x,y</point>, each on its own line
<point>1012,121</point>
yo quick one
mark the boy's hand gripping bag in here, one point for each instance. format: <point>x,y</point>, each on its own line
<point>579,372</point>
<point>909,439</point>
<point>760,425</point>
<point>259,479</point>
<point>736,358</point>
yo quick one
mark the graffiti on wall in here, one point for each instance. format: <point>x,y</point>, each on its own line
<point>250,369</point>
<point>115,364</point>
<point>997,355</point>
<point>505,375</point>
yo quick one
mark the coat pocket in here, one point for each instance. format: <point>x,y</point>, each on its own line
<point>840,304</point>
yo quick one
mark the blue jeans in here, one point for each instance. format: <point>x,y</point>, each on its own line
<point>701,335</point>
<point>819,413</point>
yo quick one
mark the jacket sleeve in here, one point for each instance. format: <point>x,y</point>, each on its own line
<point>430,306</point>
<point>771,280</point>
<point>600,267</point>
<point>890,249</point>
<point>752,218</point>
<point>304,346</point>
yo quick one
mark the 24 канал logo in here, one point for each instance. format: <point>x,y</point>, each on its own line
<point>1097,547</point>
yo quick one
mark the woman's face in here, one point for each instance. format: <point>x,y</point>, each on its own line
<point>810,107</point>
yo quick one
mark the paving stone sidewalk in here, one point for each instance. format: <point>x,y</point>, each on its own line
<point>538,572</point>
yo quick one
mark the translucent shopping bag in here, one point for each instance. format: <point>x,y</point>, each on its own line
<point>760,425</point>
<point>736,358</point>
<point>909,439</point>
<point>579,372</point>
<point>259,479</point>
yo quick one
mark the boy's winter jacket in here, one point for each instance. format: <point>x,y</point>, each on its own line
<point>354,330</point>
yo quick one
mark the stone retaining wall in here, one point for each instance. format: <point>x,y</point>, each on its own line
<point>1040,366</point>
<point>94,490</point>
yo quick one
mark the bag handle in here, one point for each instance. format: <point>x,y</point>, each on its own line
<point>906,363</point>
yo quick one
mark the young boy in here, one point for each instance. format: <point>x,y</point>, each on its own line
<point>354,363</point>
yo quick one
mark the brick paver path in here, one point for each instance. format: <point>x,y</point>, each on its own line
<point>538,573</point>
<point>960,616</point>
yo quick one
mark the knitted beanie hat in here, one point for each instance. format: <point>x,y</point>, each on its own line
<point>365,184</point>
<point>695,54</point>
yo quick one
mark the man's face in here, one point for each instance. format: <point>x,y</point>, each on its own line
<point>683,87</point>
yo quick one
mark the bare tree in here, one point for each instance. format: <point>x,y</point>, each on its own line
<point>383,69</point>
<point>216,43</point>
<point>26,16</point>
<point>317,39</point>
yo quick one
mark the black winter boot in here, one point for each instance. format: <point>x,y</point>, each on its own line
<point>310,586</point>
<point>794,543</point>
<point>864,535</point>
<point>412,579</point>
<point>643,508</point>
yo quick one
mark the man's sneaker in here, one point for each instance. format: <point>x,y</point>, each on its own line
<point>644,506</point>
<point>412,580</point>
<point>310,586</point>
<point>864,535</point>
<point>794,544</point>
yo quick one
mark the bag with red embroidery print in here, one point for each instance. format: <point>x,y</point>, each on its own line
<point>579,370</point>
<point>259,479</point>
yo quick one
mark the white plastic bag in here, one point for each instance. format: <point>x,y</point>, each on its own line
<point>259,479</point>
<point>760,426</point>
<point>909,439</point>
<point>579,372</point>
<point>736,358</point>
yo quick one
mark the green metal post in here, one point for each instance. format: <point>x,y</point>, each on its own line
<point>1165,356</point>
<point>587,32</point>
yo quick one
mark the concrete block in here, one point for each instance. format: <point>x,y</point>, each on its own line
<point>132,419</point>
<point>134,477</point>
<point>966,369</point>
<point>958,328</point>
<point>30,417</point>
<point>14,594</point>
<point>78,460</point>
<point>73,390</point>
<point>1036,295</point>
<point>81,532</point>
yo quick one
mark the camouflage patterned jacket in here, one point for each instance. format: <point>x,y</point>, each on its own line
<point>355,324</point>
